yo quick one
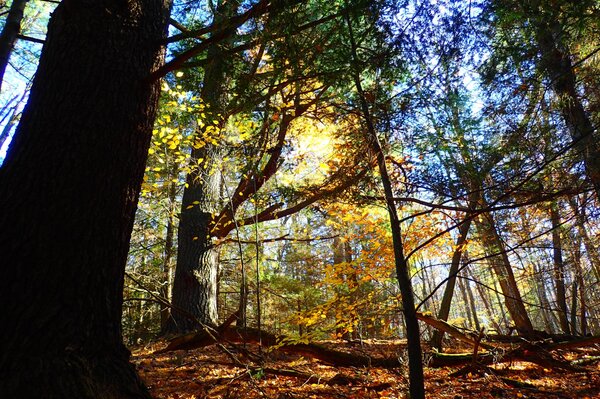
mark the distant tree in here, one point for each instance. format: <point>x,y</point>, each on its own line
<point>68,193</point>
<point>10,32</point>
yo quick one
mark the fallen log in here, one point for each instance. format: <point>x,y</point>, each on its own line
<point>227,333</point>
<point>441,325</point>
<point>438,360</point>
<point>526,353</point>
<point>252,335</point>
<point>534,352</point>
<point>576,343</point>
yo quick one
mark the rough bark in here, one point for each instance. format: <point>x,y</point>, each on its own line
<point>10,32</point>
<point>68,191</point>
<point>195,282</point>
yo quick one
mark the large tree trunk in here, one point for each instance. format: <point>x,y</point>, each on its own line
<point>68,192</point>
<point>195,283</point>
<point>10,32</point>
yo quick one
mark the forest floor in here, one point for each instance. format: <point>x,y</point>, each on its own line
<point>214,372</point>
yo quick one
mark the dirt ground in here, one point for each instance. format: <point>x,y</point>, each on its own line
<point>245,373</point>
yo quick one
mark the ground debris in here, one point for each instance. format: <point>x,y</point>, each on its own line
<point>210,373</point>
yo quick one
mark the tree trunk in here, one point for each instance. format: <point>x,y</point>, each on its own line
<point>471,309</point>
<point>165,289</point>
<point>486,304</point>
<point>10,32</point>
<point>463,231</point>
<point>339,257</point>
<point>195,283</point>
<point>590,249</point>
<point>13,111</point>
<point>579,287</point>
<point>547,316</point>
<point>573,322</point>
<point>500,264</point>
<point>68,193</point>
<point>559,270</point>
<point>413,336</point>
<point>556,63</point>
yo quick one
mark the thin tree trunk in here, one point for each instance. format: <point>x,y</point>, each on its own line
<point>338,259</point>
<point>165,289</point>
<point>470,309</point>
<point>547,315</point>
<point>68,192</point>
<point>461,289</point>
<point>353,286</point>
<point>242,318</point>
<point>581,285</point>
<point>463,231</point>
<point>559,270</point>
<point>413,337</point>
<point>486,304</point>
<point>10,32</point>
<point>573,323</point>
